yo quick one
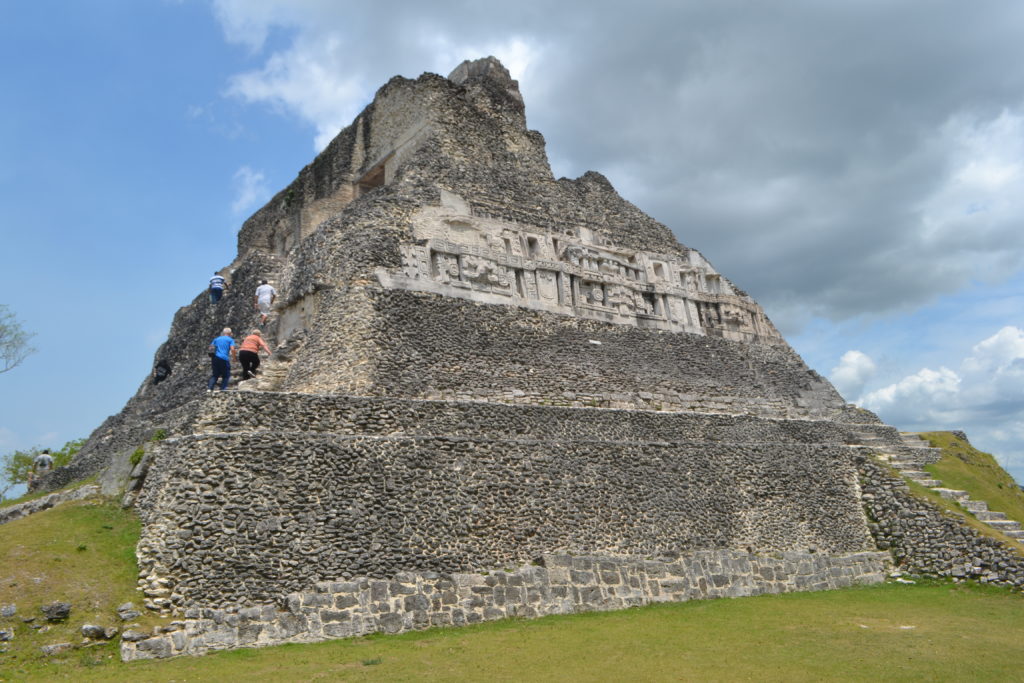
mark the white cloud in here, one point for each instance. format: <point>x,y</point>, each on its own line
<point>250,190</point>
<point>972,219</point>
<point>309,81</point>
<point>926,395</point>
<point>998,353</point>
<point>249,22</point>
<point>853,372</point>
<point>316,78</point>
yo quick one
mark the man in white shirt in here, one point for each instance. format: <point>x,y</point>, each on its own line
<point>42,464</point>
<point>265,296</point>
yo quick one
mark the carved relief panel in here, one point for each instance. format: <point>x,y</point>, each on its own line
<point>494,261</point>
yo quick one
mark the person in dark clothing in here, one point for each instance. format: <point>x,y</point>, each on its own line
<point>162,371</point>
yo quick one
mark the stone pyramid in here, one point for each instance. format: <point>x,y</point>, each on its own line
<point>494,393</point>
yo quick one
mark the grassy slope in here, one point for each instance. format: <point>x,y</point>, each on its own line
<point>81,552</point>
<point>964,467</point>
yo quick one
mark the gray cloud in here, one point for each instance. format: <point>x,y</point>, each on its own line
<point>834,159</point>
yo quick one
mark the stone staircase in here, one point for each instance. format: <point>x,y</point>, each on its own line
<point>909,458</point>
<point>274,369</point>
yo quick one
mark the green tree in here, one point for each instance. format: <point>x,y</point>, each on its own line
<point>16,467</point>
<point>14,346</point>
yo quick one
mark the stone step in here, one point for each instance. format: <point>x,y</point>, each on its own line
<point>954,494</point>
<point>1004,524</point>
<point>914,474</point>
<point>908,461</point>
<point>1018,534</point>
<point>913,440</point>
<point>976,506</point>
<point>989,516</point>
<point>927,483</point>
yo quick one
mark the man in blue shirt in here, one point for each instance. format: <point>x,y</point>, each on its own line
<point>221,350</point>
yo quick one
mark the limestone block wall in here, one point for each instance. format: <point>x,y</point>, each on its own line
<point>241,517</point>
<point>557,584</point>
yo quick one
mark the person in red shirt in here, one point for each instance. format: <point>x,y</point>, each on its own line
<point>249,353</point>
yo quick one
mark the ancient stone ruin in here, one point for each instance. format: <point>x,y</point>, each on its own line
<point>495,393</point>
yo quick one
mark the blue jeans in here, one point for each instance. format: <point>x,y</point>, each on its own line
<point>215,293</point>
<point>220,368</point>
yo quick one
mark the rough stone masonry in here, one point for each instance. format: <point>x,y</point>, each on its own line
<point>495,393</point>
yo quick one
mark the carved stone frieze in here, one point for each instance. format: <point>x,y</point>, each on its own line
<point>579,272</point>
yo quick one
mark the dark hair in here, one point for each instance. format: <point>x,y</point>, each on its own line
<point>264,282</point>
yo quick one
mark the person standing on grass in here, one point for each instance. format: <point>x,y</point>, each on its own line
<point>221,349</point>
<point>264,299</point>
<point>249,353</point>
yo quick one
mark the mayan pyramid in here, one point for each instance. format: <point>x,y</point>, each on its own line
<point>493,393</point>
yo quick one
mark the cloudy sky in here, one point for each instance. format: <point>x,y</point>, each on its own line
<point>855,165</point>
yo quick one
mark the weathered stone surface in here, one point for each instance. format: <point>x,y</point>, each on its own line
<point>56,611</point>
<point>96,632</point>
<point>472,502</point>
<point>8,610</point>
<point>127,612</point>
<point>55,648</point>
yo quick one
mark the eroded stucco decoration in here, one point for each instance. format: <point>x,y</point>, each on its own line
<point>579,272</point>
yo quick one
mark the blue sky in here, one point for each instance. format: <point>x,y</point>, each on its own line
<point>870,198</point>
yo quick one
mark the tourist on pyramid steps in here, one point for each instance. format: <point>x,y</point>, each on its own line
<point>249,353</point>
<point>264,299</point>
<point>41,465</point>
<point>217,286</point>
<point>161,372</point>
<point>221,348</point>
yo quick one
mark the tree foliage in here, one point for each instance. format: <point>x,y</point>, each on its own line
<point>16,467</point>
<point>14,346</point>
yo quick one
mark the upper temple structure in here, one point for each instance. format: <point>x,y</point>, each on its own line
<point>493,393</point>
